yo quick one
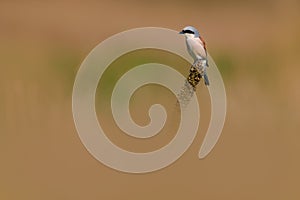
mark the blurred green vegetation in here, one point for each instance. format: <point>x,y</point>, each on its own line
<point>226,65</point>
<point>65,62</point>
<point>132,59</point>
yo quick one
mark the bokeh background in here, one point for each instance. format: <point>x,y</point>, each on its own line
<point>254,43</point>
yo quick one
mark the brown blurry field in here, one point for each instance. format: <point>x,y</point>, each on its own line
<point>256,47</point>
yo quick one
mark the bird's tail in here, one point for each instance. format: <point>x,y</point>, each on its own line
<point>206,81</point>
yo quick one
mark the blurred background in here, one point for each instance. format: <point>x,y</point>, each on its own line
<point>255,45</point>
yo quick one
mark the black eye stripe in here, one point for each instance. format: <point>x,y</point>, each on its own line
<point>188,31</point>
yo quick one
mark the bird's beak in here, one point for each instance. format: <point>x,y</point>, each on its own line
<point>181,32</point>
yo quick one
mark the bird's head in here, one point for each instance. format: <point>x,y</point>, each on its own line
<point>190,31</point>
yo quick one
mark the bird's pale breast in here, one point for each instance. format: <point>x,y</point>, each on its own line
<point>195,48</point>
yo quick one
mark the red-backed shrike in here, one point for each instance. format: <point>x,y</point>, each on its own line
<point>197,49</point>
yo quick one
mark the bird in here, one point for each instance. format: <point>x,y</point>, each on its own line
<point>196,47</point>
